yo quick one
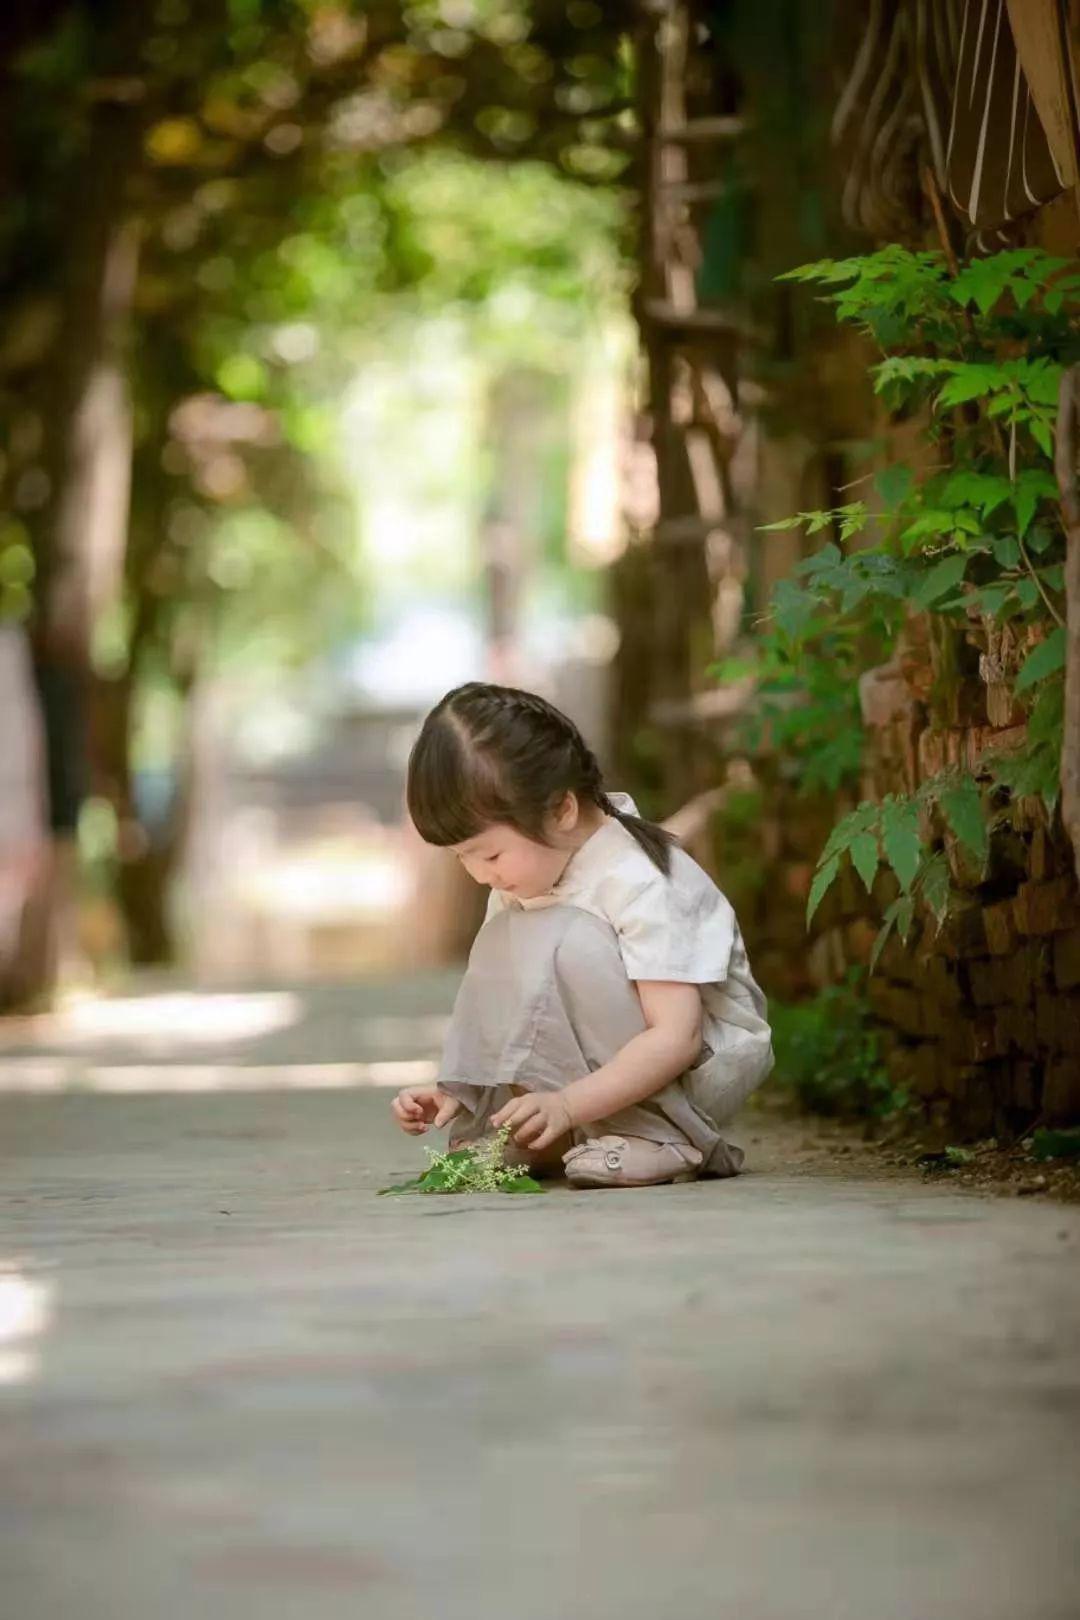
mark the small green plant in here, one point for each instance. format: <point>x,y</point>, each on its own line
<point>828,1055</point>
<point>950,1158</point>
<point>1051,1144</point>
<point>478,1169</point>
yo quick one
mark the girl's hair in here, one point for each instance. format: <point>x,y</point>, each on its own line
<point>489,754</point>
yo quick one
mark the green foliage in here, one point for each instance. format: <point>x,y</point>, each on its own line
<point>478,1169</point>
<point>828,1055</point>
<point>976,537</point>
<point>888,834</point>
<point>1045,659</point>
<point>949,1158</point>
<point>308,180</point>
<point>1049,1144</point>
<point>1035,769</point>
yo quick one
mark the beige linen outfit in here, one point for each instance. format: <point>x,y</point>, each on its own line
<point>548,995</point>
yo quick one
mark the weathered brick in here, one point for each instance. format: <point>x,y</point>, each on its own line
<point>936,1018</point>
<point>1041,856</point>
<point>897,1005</point>
<point>1005,979</point>
<point>883,696</point>
<point>999,928</point>
<point>939,979</point>
<point>1057,1022</point>
<point>916,1066</point>
<point>1008,861</point>
<point>1023,1088</point>
<point>1067,960</point>
<point>1014,1028</point>
<point>964,868</point>
<point>960,1081</point>
<point>974,1039</point>
<point>1002,708</point>
<point>984,977</point>
<point>896,961</point>
<point>1027,811</point>
<point>932,751</point>
<point>986,739</point>
<point>1044,908</point>
<point>963,934</point>
<point>1061,1091</point>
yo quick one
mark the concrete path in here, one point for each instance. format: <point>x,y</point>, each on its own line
<point>237,1384</point>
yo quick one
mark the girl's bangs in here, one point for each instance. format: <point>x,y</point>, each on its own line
<point>452,792</point>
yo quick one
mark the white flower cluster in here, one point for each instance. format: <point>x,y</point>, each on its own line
<point>481,1168</point>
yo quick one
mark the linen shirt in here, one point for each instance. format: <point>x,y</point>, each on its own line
<point>680,927</point>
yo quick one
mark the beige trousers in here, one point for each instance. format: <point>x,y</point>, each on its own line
<point>546,1000</point>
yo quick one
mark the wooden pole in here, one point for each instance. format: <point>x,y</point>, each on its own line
<point>1065,454</point>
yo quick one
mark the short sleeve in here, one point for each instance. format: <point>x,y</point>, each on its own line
<point>679,928</point>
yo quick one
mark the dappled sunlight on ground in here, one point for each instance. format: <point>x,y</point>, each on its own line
<point>183,1016</point>
<point>26,1310</point>
<point>51,1074</point>
<point>158,1038</point>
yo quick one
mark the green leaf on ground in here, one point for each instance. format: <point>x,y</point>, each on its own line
<point>1049,1144</point>
<point>950,1158</point>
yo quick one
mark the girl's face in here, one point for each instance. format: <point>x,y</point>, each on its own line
<point>507,860</point>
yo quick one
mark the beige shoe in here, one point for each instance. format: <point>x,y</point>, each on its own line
<point>630,1161</point>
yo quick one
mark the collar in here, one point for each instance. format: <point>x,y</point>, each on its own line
<point>593,855</point>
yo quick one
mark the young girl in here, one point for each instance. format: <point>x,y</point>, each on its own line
<point>608,1013</point>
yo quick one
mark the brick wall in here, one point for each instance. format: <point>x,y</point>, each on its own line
<point>981,1017</point>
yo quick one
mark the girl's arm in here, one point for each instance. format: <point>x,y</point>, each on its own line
<point>645,1065</point>
<point>670,1045</point>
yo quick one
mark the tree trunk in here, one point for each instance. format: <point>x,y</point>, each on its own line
<point>81,543</point>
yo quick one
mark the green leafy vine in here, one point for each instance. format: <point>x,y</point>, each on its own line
<point>973,542</point>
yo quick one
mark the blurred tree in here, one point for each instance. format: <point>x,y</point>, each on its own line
<point>195,184</point>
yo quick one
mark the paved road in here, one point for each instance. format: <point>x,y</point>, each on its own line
<point>235,1383</point>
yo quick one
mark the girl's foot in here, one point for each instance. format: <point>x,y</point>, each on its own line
<point>630,1161</point>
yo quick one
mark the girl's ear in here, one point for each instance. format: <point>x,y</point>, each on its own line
<point>567,813</point>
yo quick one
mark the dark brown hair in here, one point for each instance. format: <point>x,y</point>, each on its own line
<point>489,754</point>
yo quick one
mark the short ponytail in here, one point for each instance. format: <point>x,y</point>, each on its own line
<point>655,841</point>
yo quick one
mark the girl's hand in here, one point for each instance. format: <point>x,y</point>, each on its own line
<point>417,1107</point>
<point>536,1120</point>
